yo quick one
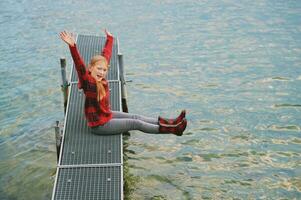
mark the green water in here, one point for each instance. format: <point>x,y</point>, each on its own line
<point>234,65</point>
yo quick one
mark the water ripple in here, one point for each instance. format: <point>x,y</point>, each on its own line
<point>234,66</point>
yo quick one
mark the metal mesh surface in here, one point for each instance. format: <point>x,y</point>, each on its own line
<point>80,145</point>
<point>88,46</point>
<point>89,183</point>
<point>90,166</point>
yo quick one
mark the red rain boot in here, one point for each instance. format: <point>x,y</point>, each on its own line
<point>177,129</point>
<point>172,121</point>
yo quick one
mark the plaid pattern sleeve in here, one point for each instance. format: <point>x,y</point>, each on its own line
<point>107,50</point>
<point>97,112</point>
<point>79,65</point>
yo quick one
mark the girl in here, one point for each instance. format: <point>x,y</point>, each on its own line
<point>97,109</point>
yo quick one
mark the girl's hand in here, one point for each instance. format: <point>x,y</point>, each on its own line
<point>108,33</point>
<point>68,38</point>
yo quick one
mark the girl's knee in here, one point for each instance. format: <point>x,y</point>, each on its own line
<point>139,124</point>
<point>137,117</point>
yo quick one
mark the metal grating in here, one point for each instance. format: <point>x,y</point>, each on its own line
<point>89,183</point>
<point>88,46</point>
<point>80,145</point>
<point>115,95</point>
<point>90,166</point>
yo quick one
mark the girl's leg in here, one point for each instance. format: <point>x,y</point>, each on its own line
<point>120,125</point>
<point>118,115</point>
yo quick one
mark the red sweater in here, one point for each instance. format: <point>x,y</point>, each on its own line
<point>97,113</point>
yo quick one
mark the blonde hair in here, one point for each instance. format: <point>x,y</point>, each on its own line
<point>101,92</point>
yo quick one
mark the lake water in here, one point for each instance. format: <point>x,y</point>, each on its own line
<point>234,65</point>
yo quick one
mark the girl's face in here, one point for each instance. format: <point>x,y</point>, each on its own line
<point>99,71</point>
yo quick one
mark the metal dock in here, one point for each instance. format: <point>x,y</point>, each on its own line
<point>90,166</point>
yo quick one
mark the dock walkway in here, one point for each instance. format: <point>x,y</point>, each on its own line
<point>90,166</point>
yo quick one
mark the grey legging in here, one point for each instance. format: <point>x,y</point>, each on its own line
<point>123,122</point>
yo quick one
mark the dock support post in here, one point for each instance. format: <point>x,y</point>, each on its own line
<point>64,82</point>
<point>122,80</point>
<point>58,139</point>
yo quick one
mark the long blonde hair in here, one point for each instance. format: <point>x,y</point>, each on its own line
<point>101,92</point>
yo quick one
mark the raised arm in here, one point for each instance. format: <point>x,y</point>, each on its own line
<point>107,50</point>
<point>68,38</point>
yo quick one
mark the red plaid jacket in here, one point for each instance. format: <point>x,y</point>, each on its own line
<point>97,113</point>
